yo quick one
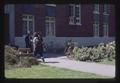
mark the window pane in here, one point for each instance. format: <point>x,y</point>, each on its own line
<point>24,27</point>
<point>78,20</point>
<point>31,26</point>
<point>96,29</point>
<point>25,17</point>
<point>30,17</point>
<point>52,28</point>
<point>77,12</point>
<point>47,28</point>
<point>105,29</point>
<point>71,10</point>
<point>96,7</point>
<point>106,8</point>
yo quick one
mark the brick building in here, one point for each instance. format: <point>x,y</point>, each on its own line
<point>87,24</point>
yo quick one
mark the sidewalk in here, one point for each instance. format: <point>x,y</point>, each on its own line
<point>64,62</point>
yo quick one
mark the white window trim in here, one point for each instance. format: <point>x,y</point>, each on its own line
<point>94,28</point>
<point>96,12</point>
<point>50,21</point>
<point>105,12</point>
<point>79,23</point>
<point>51,5</point>
<point>28,19</point>
<point>72,17</point>
<point>70,20</point>
<point>106,30</point>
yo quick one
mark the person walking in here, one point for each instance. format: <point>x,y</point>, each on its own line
<point>38,46</point>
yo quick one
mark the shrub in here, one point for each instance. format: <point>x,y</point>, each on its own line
<point>10,55</point>
<point>33,61</point>
<point>96,53</point>
<point>12,58</point>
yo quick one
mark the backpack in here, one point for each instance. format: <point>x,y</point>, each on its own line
<point>38,43</point>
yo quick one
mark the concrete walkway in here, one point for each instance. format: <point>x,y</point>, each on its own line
<point>64,62</point>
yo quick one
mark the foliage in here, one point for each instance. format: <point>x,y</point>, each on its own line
<point>10,55</point>
<point>96,53</point>
<point>12,59</point>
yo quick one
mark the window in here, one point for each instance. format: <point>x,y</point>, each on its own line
<point>96,29</point>
<point>28,24</point>
<point>105,26</point>
<point>50,26</point>
<point>106,9</point>
<point>74,14</point>
<point>96,18</point>
<point>96,9</point>
<point>77,15</point>
<point>71,9</point>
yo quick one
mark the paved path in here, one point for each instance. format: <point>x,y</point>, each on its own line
<point>64,62</point>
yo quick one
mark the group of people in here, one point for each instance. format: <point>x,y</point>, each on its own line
<point>35,43</point>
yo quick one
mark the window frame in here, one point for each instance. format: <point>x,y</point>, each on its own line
<point>73,18</point>
<point>106,29</point>
<point>96,29</point>
<point>28,20</point>
<point>106,9</point>
<point>48,20</point>
<point>96,7</point>
<point>79,18</point>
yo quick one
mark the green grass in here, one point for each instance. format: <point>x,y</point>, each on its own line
<point>43,71</point>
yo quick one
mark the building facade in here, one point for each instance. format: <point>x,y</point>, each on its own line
<point>87,24</point>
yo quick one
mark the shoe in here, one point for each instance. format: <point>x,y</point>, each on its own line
<point>43,59</point>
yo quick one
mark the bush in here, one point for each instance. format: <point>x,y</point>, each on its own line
<point>12,59</point>
<point>97,53</point>
<point>10,55</point>
<point>33,61</point>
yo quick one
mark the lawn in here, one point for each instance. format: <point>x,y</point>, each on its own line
<point>44,71</point>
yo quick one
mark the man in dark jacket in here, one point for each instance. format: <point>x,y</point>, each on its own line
<point>27,41</point>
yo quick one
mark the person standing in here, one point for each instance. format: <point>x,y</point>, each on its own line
<point>27,41</point>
